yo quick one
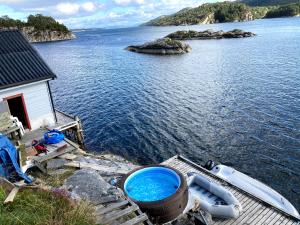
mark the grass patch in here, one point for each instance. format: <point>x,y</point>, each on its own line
<point>37,207</point>
<point>55,180</point>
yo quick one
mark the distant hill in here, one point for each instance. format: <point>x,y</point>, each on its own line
<point>284,11</point>
<point>228,12</point>
<point>206,13</point>
<point>267,2</point>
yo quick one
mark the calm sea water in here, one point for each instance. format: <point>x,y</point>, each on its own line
<point>234,101</point>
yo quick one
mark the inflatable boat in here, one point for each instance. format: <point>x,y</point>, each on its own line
<point>211,197</point>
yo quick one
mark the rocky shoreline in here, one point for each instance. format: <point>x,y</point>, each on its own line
<point>164,46</point>
<point>209,34</point>
<point>37,36</point>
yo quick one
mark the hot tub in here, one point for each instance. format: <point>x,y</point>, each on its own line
<point>160,191</point>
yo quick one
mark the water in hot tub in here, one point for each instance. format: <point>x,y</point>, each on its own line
<point>152,185</point>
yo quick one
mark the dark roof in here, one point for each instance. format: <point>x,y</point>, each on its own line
<point>20,63</point>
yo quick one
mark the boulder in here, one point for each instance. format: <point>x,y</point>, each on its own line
<point>89,185</point>
<point>56,163</point>
<point>164,46</point>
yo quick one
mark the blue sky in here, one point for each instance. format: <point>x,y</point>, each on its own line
<point>96,13</point>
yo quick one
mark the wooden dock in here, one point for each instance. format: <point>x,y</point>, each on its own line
<point>255,211</point>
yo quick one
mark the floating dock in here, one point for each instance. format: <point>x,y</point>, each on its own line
<point>255,210</point>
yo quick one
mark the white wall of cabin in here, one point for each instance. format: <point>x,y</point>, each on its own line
<point>37,100</point>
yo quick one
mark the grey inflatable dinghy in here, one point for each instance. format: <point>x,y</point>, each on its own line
<point>212,198</point>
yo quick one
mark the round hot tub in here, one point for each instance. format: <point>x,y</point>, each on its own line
<point>160,191</point>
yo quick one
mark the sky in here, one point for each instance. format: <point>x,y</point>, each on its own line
<point>79,14</point>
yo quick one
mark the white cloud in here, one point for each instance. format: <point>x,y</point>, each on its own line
<point>114,15</point>
<point>68,8</point>
<point>89,6</point>
<point>129,2</point>
<point>12,1</point>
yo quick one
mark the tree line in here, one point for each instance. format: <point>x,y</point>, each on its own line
<point>38,21</point>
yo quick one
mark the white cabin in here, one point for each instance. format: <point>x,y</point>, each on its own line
<point>31,103</point>
<point>24,82</point>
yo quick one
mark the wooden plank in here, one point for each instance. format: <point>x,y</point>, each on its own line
<point>106,169</point>
<point>252,212</point>
<point>106,199</point>
<point>40,166</point>
<point>110,217</point>
<point>11,195</point>
<point>52,155</point>
<point>280,220</point>
<point>257,215</point>
<point>271,217</point>
<point>260,216</point>
<point>139,219</point>
<point>139,212</point>
<point>6,185</point>
<point>289,222</point>
<point>110,207</point>
<point>266,216</point>
<point>75,145</point>
<point>66,126</point>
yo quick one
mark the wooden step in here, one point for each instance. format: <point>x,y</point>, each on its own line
<point>111,207</point>
<point>112,216</point>
<point>106,199</point>
<point>139,219</point>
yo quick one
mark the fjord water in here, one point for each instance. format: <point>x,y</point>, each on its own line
<point>236,101</point>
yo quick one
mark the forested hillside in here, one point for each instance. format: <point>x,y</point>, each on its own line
<point>267,2</point>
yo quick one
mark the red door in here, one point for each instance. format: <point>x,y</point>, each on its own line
<point>18,109</point>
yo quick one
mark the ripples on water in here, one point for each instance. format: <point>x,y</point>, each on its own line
<point>234,101</point>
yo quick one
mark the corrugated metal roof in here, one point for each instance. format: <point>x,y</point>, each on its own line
<point>20,63</point>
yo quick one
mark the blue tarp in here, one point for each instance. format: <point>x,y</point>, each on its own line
<point>8,160</point>
<point>53,137</point>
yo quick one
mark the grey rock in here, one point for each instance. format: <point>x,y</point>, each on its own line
<point>58,172</point>
<point>45,36</point>
<point>209,34</point>
<point>109,163</point>
<point>56,163</point>
<point>164,46</point>
<point>33,35</point>
<point>89,185</point>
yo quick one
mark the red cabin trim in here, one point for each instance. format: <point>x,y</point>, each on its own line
<point>24,107</point>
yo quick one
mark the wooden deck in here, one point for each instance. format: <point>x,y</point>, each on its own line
<point>64,121</point>
<point>255,211</point>
<point>120,212</point>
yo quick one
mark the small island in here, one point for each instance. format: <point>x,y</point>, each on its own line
<point>164,46</point>
<point>209,34</point>
<point>38,28</point>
